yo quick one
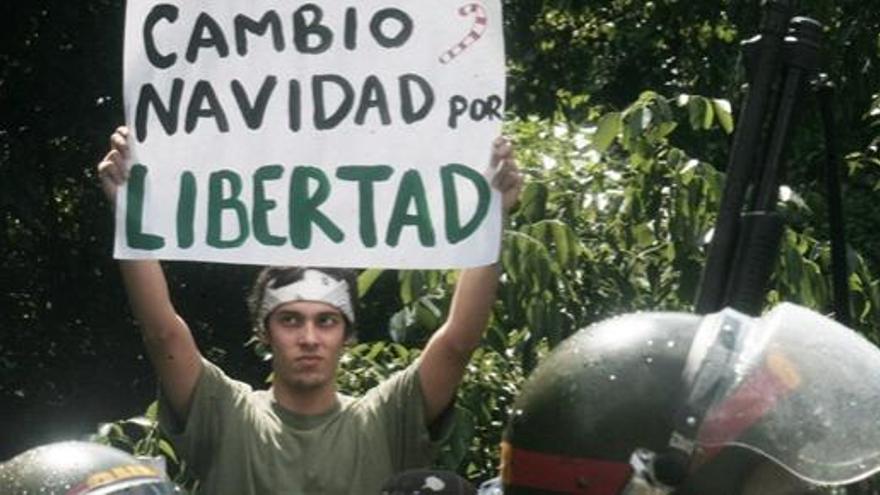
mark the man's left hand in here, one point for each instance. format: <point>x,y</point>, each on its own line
<point>507,179</point>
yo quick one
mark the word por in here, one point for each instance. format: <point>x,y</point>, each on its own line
<point>477,109</point>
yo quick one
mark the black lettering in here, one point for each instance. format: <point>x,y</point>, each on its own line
<point>322,121</point>
<point>245,25</point>
<point>157,13</point>
<point>373,96</point>
<point>253,114</point>
<point>478,110</point>
<point>408,111</point>
<point>206,34</point>
<point>402,36</point>
<point>350,28</point>
<point>294,106</point>
<point>303,30</point>
<point>204,104</point>
<point>494,106</point>
<point>458,105</point>
<point>168,116</point>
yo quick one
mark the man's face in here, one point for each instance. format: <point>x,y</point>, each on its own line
<point>307,339</point>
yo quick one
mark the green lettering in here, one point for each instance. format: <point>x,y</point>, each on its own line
<point>365,176</point>
<point>411,190</point>
<point>186,210</point>
<point>455,231</point>
<point>134,212</point>
<point>262,205</point>
<point>304,207</point>
<point>218,202</point>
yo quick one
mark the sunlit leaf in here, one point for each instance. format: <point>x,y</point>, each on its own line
<point>533,202</point>
<point>607,129</point>
<point>366,279</point>
<point>723,114</point>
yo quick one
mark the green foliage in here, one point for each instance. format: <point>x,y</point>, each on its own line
<point>612,220</point>
<point>623,188</point>
<point>366,365</point>
<point>141,436</point>
<point>580,60</point>
<point>492,380</point>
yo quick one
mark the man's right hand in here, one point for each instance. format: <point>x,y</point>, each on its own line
<point>113,169</point>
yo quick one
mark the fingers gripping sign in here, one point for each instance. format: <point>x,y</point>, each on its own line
<point>113,169</point>
<point>506,177</point>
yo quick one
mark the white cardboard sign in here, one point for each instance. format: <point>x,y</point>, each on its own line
<point>312,133</point>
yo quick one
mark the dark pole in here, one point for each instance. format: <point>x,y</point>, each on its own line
<point>762,227</point>
<point>741,166</point>
<point>839,265</point>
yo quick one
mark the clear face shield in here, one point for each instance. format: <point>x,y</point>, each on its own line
<point>803,391</point>
<point>793,386</point>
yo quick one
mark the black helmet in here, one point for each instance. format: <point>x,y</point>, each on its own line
<point>427,482</point>
<point>677,403</point>
<point>80,468</point>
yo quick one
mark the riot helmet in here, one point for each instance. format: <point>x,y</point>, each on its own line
<point>661,403</point>
<point>81,468</point>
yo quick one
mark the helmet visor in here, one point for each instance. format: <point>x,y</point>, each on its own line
<point>803,391</point>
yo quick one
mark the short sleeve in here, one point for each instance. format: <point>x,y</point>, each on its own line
<point>400,403</point>
<point>194,439</point>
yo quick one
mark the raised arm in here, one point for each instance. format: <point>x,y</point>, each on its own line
<point>168,339</point>
<point>446,356</point>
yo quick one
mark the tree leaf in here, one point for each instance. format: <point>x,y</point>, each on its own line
<point>607,129</point>
<point>366,280</point>
<point>534,201</point>
<point>723,114</point>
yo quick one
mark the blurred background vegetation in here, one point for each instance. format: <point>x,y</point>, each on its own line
<point>622,111</point>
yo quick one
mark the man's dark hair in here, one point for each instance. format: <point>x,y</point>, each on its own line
<point>278,276</point>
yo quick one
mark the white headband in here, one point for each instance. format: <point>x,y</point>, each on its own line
<point>313,286</point>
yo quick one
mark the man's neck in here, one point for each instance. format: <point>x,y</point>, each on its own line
<point>310,402</point>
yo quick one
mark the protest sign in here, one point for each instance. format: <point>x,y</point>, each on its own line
<point>312,133</point>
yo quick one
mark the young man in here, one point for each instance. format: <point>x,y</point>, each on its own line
<point>302,436</point>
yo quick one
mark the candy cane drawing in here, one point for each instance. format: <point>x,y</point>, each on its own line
<point>476,32</point>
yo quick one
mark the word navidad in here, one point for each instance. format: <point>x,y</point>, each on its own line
<point>389,28</point>
<point>309,188</point>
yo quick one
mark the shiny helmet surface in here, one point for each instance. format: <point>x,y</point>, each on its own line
<point>81,468</point>
<point>660,403</point>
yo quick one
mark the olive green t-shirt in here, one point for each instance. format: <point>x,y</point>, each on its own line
<point>240,441</point>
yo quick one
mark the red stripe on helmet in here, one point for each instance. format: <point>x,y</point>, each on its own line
<point>529,469</point>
